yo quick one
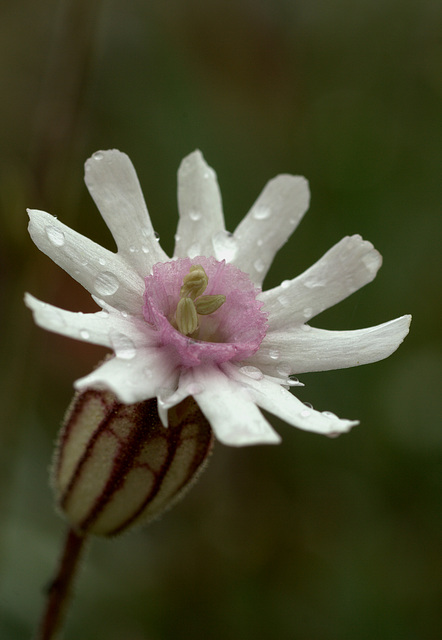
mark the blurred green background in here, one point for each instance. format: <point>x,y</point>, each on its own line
<point>316,539</point>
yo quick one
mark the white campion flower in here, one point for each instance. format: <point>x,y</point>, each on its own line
<point>199,324</point>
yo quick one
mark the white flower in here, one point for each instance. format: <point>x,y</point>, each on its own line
<point>233,351</point>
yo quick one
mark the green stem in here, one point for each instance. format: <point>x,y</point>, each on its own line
<point>60,589</point>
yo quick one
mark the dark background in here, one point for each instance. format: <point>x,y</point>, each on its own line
<point>315,539</point>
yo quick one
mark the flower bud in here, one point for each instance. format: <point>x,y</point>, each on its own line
<point>116,465</point>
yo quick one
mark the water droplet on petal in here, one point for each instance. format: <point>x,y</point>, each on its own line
<point>259,265</point>
<point>329,414</point>
<point>132,249</point>
<point>308,312</point>
<point>84,333</point>
<point>55,236</point>
<point>285,284</point>
<point>261,213</point>
<point>106,283</point>
<point>98,156</point>
<point>156,235</point>
<point>194,250</point>
<point>274,354</point>
<point>313,282</point>
<point>284,369</point>
<point>145,249</point>
<point>305,413</point>
<point>102,261</point>
<point>122,345</point>
<point>195,215</point>
<point>284,301</point>
<point>252,372</point>
<point>225,246</point>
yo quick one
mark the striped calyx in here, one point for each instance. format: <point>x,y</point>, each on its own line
<point>116,465</point>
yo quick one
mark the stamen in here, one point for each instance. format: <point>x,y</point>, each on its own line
<point>194,283</point>
<point>186,318</point>
<point>208,304</point>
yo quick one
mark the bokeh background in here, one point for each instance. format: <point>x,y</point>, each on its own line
<point>316,539</point>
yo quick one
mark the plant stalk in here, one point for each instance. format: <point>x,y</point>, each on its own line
<point>59,590</point>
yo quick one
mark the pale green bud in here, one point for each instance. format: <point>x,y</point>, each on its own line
<point>116,465</point>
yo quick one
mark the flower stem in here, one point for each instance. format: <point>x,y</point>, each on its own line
<point>60,589</point>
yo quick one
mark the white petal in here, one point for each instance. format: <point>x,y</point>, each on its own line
<point>349,265</point>
<point>306,348</point>
<point>135,379</point>
<point>274,398</point>
<point>106,329</point>
<point>200,207</point>
<point>230,410</point>
<point>269,223</point>
<point>103,273</point>
<point>113,183</point>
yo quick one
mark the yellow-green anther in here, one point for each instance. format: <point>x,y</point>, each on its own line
<point>194,283</point>
<point>186,318</point>
<point>208,304</point>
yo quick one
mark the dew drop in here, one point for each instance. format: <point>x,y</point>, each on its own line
<point>305,413</point>
<point>194,250</point>
<point>122,345</point>
<point>284,301</point>
<point>261,213</point>
<point>313,283</point>
<point>308,312</point>
<point>260,242</point>
<point>225,246</point>
<point>252,372</point>
<point>84,333</point>
<point>132,249</point>
<point>98,156</point>
<point>274,354</point>
<point>106,283</point>
<point>102,261</point>
<point>329,414</point>
<point>145,249</point>
<point>285,284</point>
<point>307,404</point>
<point>195,215</point>
<point>156,236</point>
<point>55,236</point>
<point>259,265</point>
<point>283,369</point>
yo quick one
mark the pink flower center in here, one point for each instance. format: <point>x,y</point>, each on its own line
<point>233,332</point>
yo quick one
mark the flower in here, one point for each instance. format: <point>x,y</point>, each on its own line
<point>199,324</point>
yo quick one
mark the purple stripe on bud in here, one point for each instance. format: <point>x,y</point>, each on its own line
<point>116,465</point>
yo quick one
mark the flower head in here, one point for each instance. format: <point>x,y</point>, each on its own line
<point>198,324</point>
